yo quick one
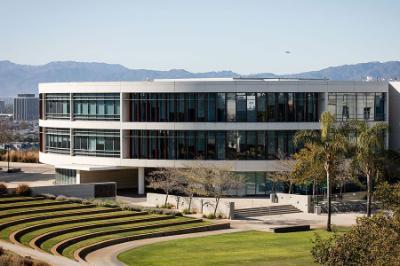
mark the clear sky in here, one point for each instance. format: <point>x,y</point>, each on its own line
<point>246,36</point>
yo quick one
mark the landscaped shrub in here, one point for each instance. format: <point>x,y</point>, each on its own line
<point>3,189</point>
<point>49,196</point>
<point>21,156</point>
<point>211,216</point>
<point>220,216</point>
<point>61,198</point>
<point>186,211</point>
<point>168,206</point>
<point>23,190</point>
<point>10,259</point>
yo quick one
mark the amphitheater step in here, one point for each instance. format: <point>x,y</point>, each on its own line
<point>264,211</point>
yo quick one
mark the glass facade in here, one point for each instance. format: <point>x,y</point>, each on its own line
<point>224,107</point>
<point>211,145</point>
<point>65,176</point>
<point>57,106</point>
<point>99,143</point>
<point>359,106</point>
<point>259,183</point>
<point>96,106</point>
<point>57,140</point>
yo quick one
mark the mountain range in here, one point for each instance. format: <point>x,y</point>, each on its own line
<point>16,78</point>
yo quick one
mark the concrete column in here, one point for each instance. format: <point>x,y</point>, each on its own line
<point>140,180</point>
<point>78,176</point>
<point>71,142</point>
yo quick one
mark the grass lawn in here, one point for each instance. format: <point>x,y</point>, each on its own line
<point>242,248</point>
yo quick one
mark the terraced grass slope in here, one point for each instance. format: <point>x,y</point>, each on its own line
<point>242,248</point>
<point>74,230</point>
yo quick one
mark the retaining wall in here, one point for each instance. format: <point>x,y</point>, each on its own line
<point>199,204</point>
<point>85,191</point>
<point>301,202</point>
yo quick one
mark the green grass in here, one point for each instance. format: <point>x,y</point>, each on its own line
<point>7,231</point>
<point>46,215</point>
<point>48,244</point>
<point>102,223</point>
<point>26,203</point>
<point>242,248</point>
<point>69,251</point>
<point>35,207</point>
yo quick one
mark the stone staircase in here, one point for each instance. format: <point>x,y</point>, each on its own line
<point>264,211</point>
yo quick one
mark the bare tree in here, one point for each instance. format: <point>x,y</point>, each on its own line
<point>6,132</point>
<point>285,175</point>
<point>218,182</point>
<point>167,180</point>
<point>191,179</point>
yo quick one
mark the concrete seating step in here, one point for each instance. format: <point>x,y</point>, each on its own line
<point>263,211</point>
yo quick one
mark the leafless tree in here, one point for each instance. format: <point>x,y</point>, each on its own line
<point>167,180</point>
<point>218,182</point>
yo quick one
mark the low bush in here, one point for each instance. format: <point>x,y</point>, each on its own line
<point>11,259</point>
<point>167,206</point>
<point>211,216</point>
<point>49,196</point>
<point>3,189</point>
<point>186,211</point>
<point>21,156</point>
<point>23,190</point>
<point>61,198</point>
<point>220,216</point>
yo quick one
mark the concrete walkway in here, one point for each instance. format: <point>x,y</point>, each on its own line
<point>39,255</point>
<point>108,256</point>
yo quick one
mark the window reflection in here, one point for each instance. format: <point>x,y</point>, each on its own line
<point>211,145</point>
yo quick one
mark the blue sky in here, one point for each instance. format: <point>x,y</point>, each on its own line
<point>247,36</point>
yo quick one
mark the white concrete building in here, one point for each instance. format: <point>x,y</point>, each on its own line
<point>119,131</point>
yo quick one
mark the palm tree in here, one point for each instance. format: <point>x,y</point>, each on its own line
<point>327,148</point>
<point>369,149</point>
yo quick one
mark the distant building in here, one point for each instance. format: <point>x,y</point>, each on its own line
<point>2,107</point>
<point>26,107</point>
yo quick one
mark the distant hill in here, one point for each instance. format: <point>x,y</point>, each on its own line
<point>15,78</point>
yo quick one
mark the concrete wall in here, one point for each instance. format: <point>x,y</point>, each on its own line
<point>199,204</point>
<point>125,178</point>
<point>86,191</point>
<point>301,202</point>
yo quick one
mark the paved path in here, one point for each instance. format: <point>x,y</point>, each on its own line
<point>39,255</point>
<point>33,174</point>
<point>108,256</point>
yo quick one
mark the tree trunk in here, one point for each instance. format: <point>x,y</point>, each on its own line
<point>314,187</point>
<point>290,187</point>
<point>166,200</point>
<point>328,197</point>
<point>190,202</point>
<point>216,205</point>
<point>369,194</point>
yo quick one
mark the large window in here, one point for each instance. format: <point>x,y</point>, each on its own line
<point>224,107</point>
<point>65,176</point>
<point>360,106</point>
<point>57,140</point>
<point>101,106</point>
<point>57,106</point>
<point>100,143</point>
<point>211,145</point>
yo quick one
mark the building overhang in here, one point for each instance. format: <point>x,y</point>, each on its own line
<point>89,167</point>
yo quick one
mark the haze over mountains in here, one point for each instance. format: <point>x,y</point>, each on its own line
<point>15,78</point>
